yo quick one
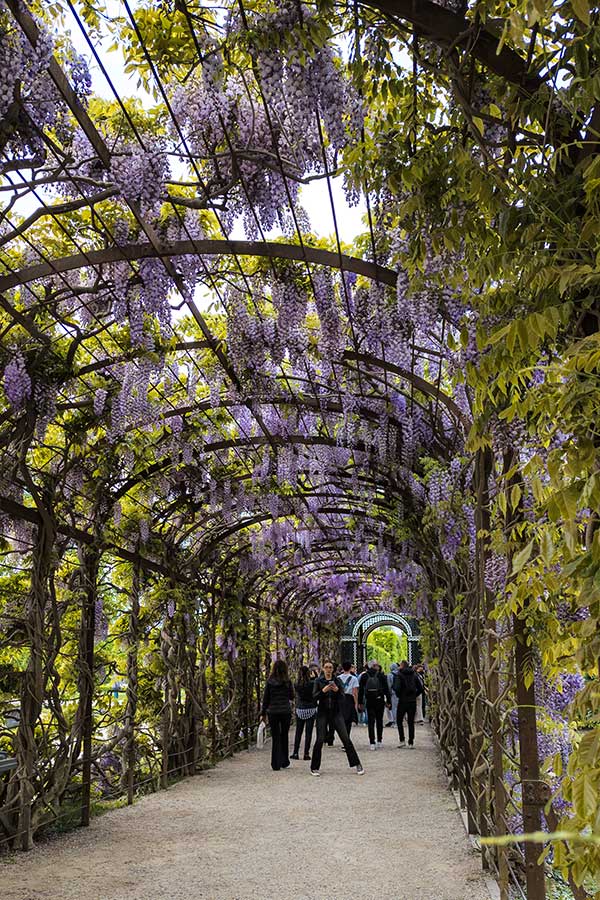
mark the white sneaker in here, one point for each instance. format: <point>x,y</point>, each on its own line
<point>379,745</point>
<point>315,772</point>
<point>411,747</point>
<point>360,770</point>
<point>402,745</point>
<point>372,747</point>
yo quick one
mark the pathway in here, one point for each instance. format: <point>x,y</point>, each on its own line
<point>242,832</point>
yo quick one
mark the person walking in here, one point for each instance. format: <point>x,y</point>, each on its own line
<point>362,714</point>
<point>277,705</point>
<point>374,694</point>
<point>306,711</point>
<point>328,692</point>
<point>394,710</point>
<point>350,698</point>
<point>407,687</point>
<point>420,713</point>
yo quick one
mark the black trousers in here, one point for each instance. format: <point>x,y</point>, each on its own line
<point>330,735</point>
<point>349,712</point>
<point>280,727</point>
<point>306,726</point>
<point>407,708</point>
<point>339,725</point>
<point>375,710</point>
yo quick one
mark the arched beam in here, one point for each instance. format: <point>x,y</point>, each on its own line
<point>369,624</point>
<point>145,250</point>
<point>254,442</point>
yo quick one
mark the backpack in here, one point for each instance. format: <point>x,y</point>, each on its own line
<point>346,682</point>
<point>373,686</point>
<point>408,685</point>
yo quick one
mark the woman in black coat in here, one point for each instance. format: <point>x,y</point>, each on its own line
<point>328,693</point>
<point>277,705</point>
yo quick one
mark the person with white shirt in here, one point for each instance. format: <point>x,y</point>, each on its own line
<point>350,699</point>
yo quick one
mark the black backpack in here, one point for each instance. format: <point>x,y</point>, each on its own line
<point>408,685</point>
<point>373,686</point>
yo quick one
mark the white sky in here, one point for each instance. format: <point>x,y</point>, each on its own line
<point>314,196</point>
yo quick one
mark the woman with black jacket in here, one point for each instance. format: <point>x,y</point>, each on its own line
<point>328,692</point>
<point>277,705</point>
<point>306,710</point>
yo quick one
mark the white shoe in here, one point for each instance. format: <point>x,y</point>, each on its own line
<point>360,770</point>
<point>402,745</point>
<point>379,745</point>
<point>411,747</point>
<point>315,772</point>
<point>372,747</point>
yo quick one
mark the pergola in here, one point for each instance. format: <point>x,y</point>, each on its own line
<point>218,449</point>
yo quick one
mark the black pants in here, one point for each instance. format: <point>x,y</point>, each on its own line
<point>407,708</point>
<point>280,726</point>
<point>337,720</point>
<point>349,712</point>
<point>301,724</point>
<point>375,710</point>
<point>330,735</point>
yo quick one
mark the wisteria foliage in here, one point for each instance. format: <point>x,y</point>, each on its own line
<point>238,482</point>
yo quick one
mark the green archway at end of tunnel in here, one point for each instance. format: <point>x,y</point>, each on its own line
<point>387,644</point>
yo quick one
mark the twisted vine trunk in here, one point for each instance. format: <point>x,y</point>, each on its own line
<point>133,634</point>
<point>32,692</point>
<point>532,795</point>
<point>89,558</point>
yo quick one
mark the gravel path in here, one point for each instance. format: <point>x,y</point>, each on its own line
<point>242,832</point>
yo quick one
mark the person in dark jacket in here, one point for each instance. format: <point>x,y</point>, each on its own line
<point>374,694</point>
<point>407,687</point>
<point>350,698</point>
<point>277,705</point>
<point>306,711</point>
<point>328,692</point>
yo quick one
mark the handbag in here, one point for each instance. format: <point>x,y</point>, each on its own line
<point>261,734</point>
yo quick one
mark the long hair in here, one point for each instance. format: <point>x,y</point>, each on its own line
<point>280,671</point>
<point>304,676</point>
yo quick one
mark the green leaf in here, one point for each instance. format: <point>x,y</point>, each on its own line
<point>521,558</point>
<point>546,547</point>
<point>581,10</point>
<point>585,795</point>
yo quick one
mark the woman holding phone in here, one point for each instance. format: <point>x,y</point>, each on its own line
<point>328,692</point>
